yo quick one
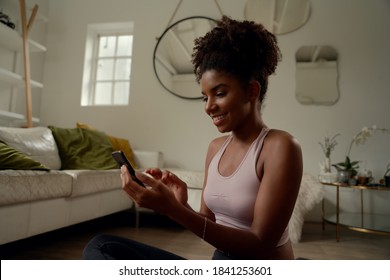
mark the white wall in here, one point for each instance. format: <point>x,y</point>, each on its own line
<point>155,119</point>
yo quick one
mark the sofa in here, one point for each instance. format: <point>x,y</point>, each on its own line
<point>53,177</point>
<point>40,194</point>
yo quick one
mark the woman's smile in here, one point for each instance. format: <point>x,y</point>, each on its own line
<point>218,119</point>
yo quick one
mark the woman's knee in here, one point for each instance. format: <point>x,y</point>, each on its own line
<point>93,249</point>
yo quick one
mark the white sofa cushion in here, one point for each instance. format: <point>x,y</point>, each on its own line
<point>37,142</point>
<point>93,181</point>
<point>19,186</point>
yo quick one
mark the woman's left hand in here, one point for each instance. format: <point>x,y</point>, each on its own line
<point>157,196</point>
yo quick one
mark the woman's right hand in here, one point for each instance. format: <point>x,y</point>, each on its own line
<point>178,187</point>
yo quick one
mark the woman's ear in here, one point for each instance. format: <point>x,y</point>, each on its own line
<point>254,90</point>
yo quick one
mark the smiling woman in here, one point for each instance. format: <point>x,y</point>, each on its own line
<point>252,175</point>
<point>221,94</point>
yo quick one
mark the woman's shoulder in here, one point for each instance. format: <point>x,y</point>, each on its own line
<point>277,134</point>
<point>282,154</point>
<point>278,139</point>
<point>215,145</point>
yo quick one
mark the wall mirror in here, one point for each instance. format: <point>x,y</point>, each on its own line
<point>172,56</point>
<point>316,75</point>
<point>278,16</point>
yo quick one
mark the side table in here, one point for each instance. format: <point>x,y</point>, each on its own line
<point>364,222</point>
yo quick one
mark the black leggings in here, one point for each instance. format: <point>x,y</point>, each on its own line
<point>110,247</point>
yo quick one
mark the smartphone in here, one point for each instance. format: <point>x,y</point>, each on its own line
<point>121,159</point>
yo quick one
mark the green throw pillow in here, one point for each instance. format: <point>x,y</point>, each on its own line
<point>83,148</point>
<point>13,159</point>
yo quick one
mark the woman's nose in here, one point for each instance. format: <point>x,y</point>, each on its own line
<point>210,105</point>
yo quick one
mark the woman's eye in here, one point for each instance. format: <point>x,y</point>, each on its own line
<point>204,99</point>
<point>221,94</point>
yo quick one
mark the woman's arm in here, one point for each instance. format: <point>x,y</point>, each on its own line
<point>281,161</point>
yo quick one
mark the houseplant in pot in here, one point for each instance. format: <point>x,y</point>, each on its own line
<point>348,169</point>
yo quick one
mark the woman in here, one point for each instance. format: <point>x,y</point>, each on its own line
<point>252,175</point>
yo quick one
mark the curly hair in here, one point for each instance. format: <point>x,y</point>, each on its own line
<point>243,49</point>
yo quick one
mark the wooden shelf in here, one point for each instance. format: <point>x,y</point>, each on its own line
<point>12,40</point>
<point>5,115</point>
<point>14,79</point>
<point>14,4</point>
<point>19,42</point>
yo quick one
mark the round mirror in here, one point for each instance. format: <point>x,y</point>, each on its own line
<point>172,56</point>
<point>278,16</point>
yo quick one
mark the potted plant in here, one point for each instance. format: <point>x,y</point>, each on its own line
<point>348,169</point>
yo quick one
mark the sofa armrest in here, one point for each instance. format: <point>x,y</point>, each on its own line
<point>146,159</point>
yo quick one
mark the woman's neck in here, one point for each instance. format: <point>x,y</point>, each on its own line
<point>248,132</point>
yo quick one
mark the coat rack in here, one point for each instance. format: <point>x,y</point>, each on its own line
<point>26,27</point>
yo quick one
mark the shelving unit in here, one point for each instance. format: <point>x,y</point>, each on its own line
<point>20,43</point>
<point>13,41</point>
<point>5,115</point>
<point>14,79</point>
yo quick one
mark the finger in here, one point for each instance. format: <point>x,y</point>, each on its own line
<point>128,184</point>
<point>155,172</point>
<point>169,177</point>
<point>147,179</point>
<point>125,175</point>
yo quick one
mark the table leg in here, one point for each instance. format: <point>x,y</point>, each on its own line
<point>337,214</point>
<point>361,209</point>
<point>323,214</point>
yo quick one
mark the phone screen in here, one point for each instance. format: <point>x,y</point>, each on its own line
<point>121,159</point>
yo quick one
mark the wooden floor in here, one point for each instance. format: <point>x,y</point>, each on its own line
<point>157,230</point>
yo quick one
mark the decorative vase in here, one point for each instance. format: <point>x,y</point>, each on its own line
<point>344,176</point>
<point>363,181</point>
<point>328,177</point>
<point>327,165</point>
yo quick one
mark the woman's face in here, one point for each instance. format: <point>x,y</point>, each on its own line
<point>227,102</point>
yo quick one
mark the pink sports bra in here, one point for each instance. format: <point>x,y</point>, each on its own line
<point>232,198</point>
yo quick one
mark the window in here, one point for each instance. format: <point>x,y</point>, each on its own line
<point>107,67</point>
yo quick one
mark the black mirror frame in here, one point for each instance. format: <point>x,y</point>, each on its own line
<point>155,51</point>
